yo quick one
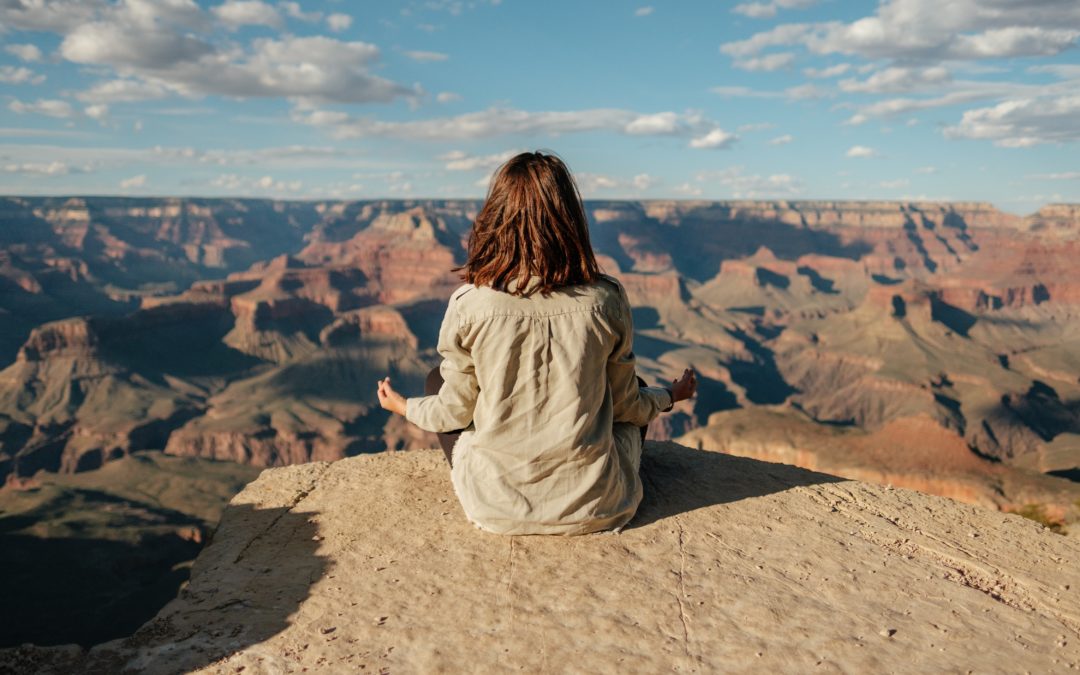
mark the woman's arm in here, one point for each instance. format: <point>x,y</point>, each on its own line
<point>452,408</point>
<point>634,404</point>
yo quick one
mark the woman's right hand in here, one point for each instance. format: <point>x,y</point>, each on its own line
<point>684,387</point>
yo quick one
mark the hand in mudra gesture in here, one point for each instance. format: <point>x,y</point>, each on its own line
<point>684,387</point>
<point>390,399</point>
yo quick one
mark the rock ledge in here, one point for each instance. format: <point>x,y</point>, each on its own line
<point>367,564</point>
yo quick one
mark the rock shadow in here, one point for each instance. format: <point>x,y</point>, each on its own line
<point>679,480</point>
<point>245,586</point>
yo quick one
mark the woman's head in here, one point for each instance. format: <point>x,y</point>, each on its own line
<point>532,224</point>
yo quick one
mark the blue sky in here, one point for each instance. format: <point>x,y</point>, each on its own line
<point>789,99</point>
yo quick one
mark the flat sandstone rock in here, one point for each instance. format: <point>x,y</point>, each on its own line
<point>368,565</point>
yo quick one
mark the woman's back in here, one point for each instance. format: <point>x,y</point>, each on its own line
<point>538,369</point>
<point>544,454</point>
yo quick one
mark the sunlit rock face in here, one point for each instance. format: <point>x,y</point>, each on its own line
<point>370,562</point>
<point>254,330</point>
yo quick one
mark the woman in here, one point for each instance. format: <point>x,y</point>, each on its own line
<point>537,401</point>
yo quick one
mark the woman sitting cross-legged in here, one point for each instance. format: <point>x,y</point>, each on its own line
<point>537,403</point>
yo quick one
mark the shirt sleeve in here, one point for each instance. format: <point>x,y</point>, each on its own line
<point>452,408</point>
<point>632,403</point>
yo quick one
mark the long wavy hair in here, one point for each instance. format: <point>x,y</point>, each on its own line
<point>531,224</point>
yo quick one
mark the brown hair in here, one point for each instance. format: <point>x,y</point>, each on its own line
<point>531,224</point>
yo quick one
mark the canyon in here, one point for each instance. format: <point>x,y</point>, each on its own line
<point>930,345</point>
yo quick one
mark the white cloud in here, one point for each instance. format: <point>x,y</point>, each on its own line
<point>338,22</point>
<point>54,16</point>
<point>504,121</point>
<point>830,71</point>
<point>739,91</point>
<point>782,140</point>
<point>171,46</point>
<point>861,151</point>
<point>97,111</point>
<point>765,10</point>
<point>643,11</point>
<point>26,52</point>
<point>650,125</point>
<point>717,139</point>
<point>447,97</point>
<point>39,168</point>
<point>898,79</point>
<point>266,185</point>
<point>317,68</point>
<point>766,63</point>
<point>1024,122</point>
<point>426,57</point>
<point>752,186</point>
<point>894,184</point>
<point>928,30</point>
<point>133,182</point>
<point>19,75</point>
<point>687,189</point>
<point>236,13</point>
<point>755,126</point>
<point>589,183</point>
<point>926,169</point>
<point>643,181</point>
<point>47,107</point>
<point>118,91</point>
<point>459,160</point>
<point>294,11</point>
<point>805,91</point>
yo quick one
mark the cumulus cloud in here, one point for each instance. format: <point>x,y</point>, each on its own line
<point>317,68</point>
<point>898,79</point>
<point>1023,122</point>
<point>717,139</point>
<point>766,63</point>
<point>133,182</point>
<point>830,71</point>
<point>752,186</point>
<point>25,52</point>
<point>56,168</point>
<point>170,47</point>
<point>266,185</point>
<point>766,10</point>
<point>643,181</point>
<point>931,31</point>
<point>739,91</point>
<point>294,11</point>
<point>236,13</point>
<point>782,140</point>
<point>338,22</point>
<point>19,75</point>
<point>447,97</point>
<point>589,183</point>
<point>459,160</point>
<point>687,189</point>
<point>861,151</point>
<point>56,16</point>
<point>426,57</point>
<point>505,121</point>
<point>97,111</point>
<point>47,107</point>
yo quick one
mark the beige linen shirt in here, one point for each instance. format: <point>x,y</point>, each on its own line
<point>546,390</point>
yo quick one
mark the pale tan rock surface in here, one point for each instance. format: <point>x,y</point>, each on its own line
<point>368,565</point>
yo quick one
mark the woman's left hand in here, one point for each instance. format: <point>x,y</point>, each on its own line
<point>390,399</point>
